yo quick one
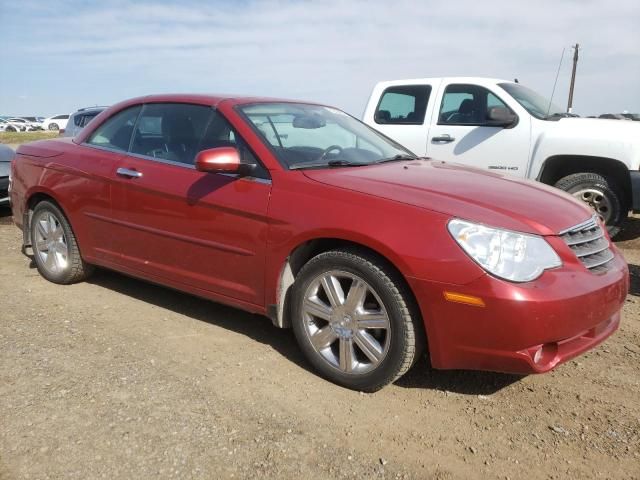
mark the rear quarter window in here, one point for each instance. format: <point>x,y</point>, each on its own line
<point>403,105</point>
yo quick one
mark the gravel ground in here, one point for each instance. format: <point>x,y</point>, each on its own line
<point>116,378</point>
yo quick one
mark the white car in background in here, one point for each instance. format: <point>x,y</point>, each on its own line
<point>7,127</point>
<point>23,124</point>
<point>57,122</point>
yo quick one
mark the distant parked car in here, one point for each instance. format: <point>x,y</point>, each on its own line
<point>7,127</point>
<point>35,121</point>
<point>614,116</point>
<point>24,124</point>
<point>20,124</point>
<point>632,116</point>
<point>58,122</point>
<point>6,155</point>
<point>79,119</point>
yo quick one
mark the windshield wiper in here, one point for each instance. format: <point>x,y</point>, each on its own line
<point>330,163</point>
<point>398,158</point>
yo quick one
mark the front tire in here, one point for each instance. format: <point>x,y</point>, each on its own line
<point>55,248</point>
<point>601,194</point>
<point>354,319</point>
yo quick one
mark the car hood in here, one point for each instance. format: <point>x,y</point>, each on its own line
<point>463,192</point>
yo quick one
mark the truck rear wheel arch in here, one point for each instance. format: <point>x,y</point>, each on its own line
<point>559,166</point>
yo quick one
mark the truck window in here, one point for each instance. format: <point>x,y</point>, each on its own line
<point>467,105</point>
<point>403,104</point>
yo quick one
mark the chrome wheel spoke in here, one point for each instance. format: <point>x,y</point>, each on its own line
<point>42,245</point>
<point>369,346</point>
<point>50,262</point>
<point>356,295</point>
<point>52,224</point>
<point>316,308</point>
<point>323,338</point>
<point>62,249</point>
<point>370,319</point>
<point>346,355</point>
<point>42,226</point>
<point>333,290</point>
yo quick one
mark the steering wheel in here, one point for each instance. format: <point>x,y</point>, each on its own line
<point>330,149</point>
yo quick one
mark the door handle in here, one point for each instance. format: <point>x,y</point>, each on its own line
<point>446,138</point>
<point>129,173</point>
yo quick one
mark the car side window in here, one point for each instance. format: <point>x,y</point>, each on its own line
<point>171,131</point>
<point>220,133</point>
<point>115,133</point>
<point>177,132</point>
<point>467,105</point>
<point>403,104</point>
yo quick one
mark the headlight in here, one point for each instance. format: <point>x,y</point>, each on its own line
<point>514,256</point>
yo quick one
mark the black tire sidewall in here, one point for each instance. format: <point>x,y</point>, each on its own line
<point>61,277</point>
<point>392,362</point>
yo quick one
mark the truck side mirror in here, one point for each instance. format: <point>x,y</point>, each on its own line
<point>501,117</point>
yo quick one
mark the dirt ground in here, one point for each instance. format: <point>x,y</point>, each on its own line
<point>116,378</point>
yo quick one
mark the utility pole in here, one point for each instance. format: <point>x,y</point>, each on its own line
<point>573,77</point>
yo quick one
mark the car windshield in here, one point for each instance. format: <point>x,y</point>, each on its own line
<point>533,102</point>
<point>313,136</point>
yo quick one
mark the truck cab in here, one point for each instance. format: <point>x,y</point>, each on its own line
<point>505,127</point>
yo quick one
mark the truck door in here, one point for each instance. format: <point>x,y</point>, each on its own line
<point>460,131</point>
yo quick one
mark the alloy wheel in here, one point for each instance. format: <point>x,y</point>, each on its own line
<point>346,322</point>
<point>50,243</point>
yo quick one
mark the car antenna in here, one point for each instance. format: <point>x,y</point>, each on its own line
<point>555,83</point>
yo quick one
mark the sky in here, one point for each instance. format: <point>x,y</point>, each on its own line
<point>58,56</point>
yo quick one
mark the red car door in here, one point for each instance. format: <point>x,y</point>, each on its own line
<point>188,228</point>
<point>88,178</point>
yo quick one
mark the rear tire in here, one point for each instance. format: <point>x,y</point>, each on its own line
<point>364,335</point>
<point>601,194</point>
<point>55,248</point>
<point>54,126</point>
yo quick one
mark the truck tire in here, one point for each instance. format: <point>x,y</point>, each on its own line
<point>601,194</point>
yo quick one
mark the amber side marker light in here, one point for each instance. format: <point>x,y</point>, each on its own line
<point>462,298</point>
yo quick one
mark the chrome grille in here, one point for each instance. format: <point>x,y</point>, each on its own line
<point>589,243</point>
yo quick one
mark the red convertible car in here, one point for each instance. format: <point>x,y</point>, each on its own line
<point>302,213</point>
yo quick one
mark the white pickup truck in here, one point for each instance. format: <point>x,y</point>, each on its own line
<point>506,127</point>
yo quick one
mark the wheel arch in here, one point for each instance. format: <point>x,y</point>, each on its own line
<point>32,200</point>
<point>558,166</point>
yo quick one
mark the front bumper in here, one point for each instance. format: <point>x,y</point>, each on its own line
<point>523,328</point>
<point>635,191</point>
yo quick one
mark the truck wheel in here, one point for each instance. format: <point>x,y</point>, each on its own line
<point>600,193</point>
<point>354,320</point>
<point>55,247</point>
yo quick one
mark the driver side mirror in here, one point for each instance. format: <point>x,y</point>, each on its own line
<point>222,160</point>
<point>501,117</point>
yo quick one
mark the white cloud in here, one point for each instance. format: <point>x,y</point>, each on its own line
<point>71,54</point>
